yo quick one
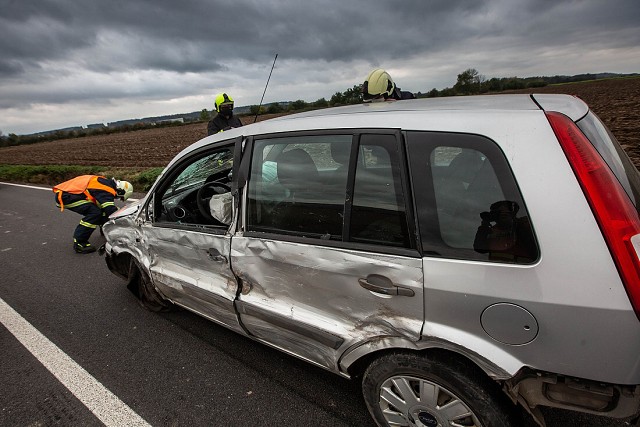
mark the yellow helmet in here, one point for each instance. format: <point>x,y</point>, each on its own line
<point>124,189</point>
<point>378,84</point>
<point>223,99</point>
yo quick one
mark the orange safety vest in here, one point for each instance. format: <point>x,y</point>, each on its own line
<point>81,185</point>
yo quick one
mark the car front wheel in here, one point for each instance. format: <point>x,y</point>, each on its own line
<point>140,284</point>
<point>417,390</point>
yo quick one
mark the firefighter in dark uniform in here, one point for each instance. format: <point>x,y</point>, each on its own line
<point>93,197</point>
<point>225,119</point>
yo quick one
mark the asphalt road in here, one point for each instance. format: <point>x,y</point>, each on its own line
<point>173,369</point>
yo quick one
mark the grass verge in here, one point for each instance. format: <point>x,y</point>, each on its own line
<point>141,178</point>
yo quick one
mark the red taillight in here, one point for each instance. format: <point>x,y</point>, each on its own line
<point>616,215</point>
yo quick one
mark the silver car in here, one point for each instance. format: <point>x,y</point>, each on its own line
<point>468,259</point>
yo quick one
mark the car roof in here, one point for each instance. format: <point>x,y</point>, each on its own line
<point>365,114</point>
<point>566,104</point>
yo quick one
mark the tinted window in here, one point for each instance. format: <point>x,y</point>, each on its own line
<point>378,215</point>
<point>469,206</point>
<point>331,187</point>
<point>298,185</point>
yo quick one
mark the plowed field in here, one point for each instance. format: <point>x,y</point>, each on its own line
<point>615,101</point>
<point>141,148</point>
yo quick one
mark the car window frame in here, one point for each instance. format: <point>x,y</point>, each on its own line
<point>176,169</point>
<point>425,192</point>
<point>356,133</point>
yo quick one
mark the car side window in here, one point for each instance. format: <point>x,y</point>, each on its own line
<point>297,185</point>
<point>469,205</point>
<point>310,186</point>
<point>197,192</point>
<point>378,214</point>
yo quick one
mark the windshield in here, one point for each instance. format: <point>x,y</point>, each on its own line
<point>613,154</point>
<point>200,170</point>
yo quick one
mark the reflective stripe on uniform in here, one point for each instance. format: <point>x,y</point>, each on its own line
<point>104,205</point>
<point>81,185</point>
<point>88,224</point>
<point>74,204</point>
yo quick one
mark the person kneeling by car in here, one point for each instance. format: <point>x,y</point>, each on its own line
<point>93,197</point>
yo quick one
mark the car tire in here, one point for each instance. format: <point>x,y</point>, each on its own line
<point>147,295</point>
<point>407,389</point>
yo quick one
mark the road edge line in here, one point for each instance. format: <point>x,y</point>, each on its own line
<point>106,406</point>
<point>130,200</point>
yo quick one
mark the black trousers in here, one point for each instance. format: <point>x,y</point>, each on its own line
<point>92,215</point>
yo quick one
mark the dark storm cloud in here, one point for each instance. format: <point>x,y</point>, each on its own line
<point>10,67</point>
<point>58,52</point>
<point>36,30</point>
<point>325,30</point>
<point>161,33</point>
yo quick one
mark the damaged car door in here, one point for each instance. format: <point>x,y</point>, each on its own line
<point>188,241</point>
<point>326,256</point>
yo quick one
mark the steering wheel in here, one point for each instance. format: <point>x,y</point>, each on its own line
<point>203,197</point>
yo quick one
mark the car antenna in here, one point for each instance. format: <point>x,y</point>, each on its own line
<point>265,88</point>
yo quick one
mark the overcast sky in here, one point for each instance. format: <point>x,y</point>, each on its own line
<point>76,62</point>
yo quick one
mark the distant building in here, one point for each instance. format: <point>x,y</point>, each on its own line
<point>177,120</point>
<point>96,126</point>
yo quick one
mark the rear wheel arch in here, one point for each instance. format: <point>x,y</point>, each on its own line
<point>355,360</point>
<point>357,368</point>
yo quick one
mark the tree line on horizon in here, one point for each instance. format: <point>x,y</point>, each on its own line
<point>468,82</point>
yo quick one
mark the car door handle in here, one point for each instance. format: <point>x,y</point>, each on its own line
<point>216,256</point>
<point>382,285</point>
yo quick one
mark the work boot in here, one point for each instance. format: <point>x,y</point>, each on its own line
<point>83,248</point>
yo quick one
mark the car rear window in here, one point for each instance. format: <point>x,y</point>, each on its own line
<point>468,203</point>
<point>613,154</point>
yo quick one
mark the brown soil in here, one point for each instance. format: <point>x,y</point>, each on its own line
<point>141,148</point>
<point>615,101</point>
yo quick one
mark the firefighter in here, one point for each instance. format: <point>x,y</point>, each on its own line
<point>225,119</point>
<point>93,197</point>
<point>379,86</point>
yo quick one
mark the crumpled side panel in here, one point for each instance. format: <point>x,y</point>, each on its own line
<point>308,300</point>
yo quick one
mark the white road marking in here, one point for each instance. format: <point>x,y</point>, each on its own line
<point>48,189</point>
<point>100,401</point>
<point>26,186</point>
